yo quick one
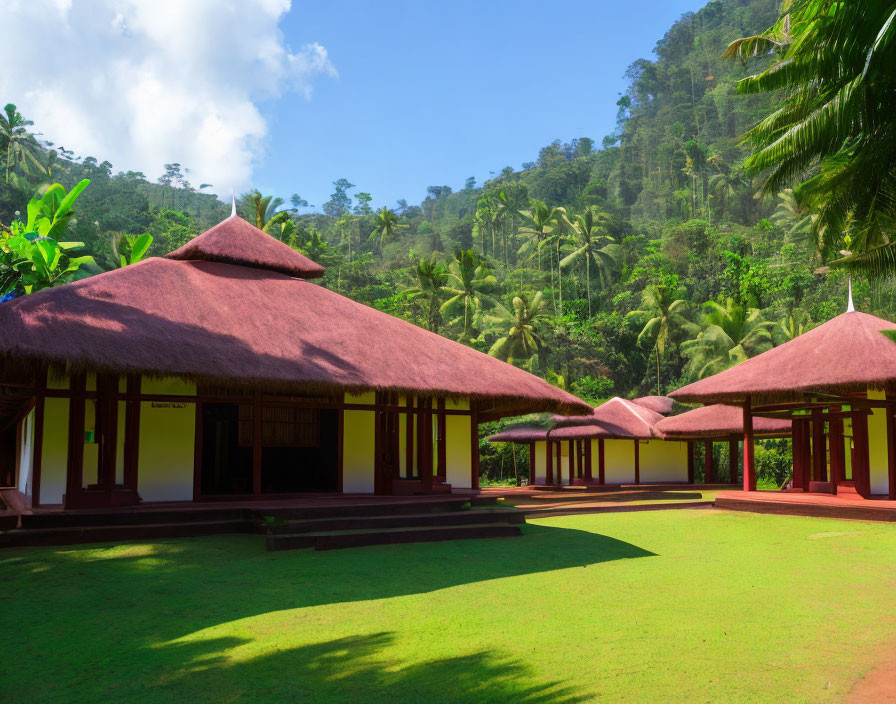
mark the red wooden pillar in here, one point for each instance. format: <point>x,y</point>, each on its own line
<point>732,460</point>
<point>256,443</point>
<point>580,459</point>
<point>806,452</point>
<point>690,461</point>
<point>819,451</point>
<point>442,467</point>
<point>426,469</point>
<point>36,462</point>
<point>637,463</point>
<point>749,459</point>
<point>589,477</point>
<point>559,478</point>
<point>796,453</point>
<point>474,446</point>
<point>861,471</point>
<point>891,453</point>
<point>572,462</point>
<point>549,463</point>
<point>838,457</point>
<point>707,462</point>
<point>601,479</point>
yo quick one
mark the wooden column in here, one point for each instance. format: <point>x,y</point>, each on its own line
<point>572,461</point>
<point>426,469</point>
<point>819,451</point>
<point>589,477</point>
<point>580,458</point>
<point>558,479</point>
<point>601,478</point>
<point>409,453</point>
<point>339,450</point>
<point>256,443</point>
<point>749,460</point>
<point>549,463</point>
<point>38,437</point>
<point>732,460</point>
<point>442,467</point>
<point>637,463</point>
<point>531,464</point>
<point>75,461</point>
<point>474,446</point>
<point>806,452</point>
<point>132,438</point>
<point>690,445</point>
<point>861,471</point>
<point>707,462</point>
<point>838,457</point>
<point>796,453</point>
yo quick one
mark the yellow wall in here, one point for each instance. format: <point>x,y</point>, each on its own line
<point>541,467</point>
<point>619,462</point>
<point>458,451</point>
<point>663,461</point>
<point>877,445</point>
<point>166,456</point>
<point>358,447</point>
<point>54,452</point>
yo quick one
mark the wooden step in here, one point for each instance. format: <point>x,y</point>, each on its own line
<point>133,517</point>
<point>366,509</point>
<point>389,536</point>
<point>117,533</point>
<point>475,516</point>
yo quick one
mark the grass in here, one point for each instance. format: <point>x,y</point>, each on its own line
<point>688,605</point>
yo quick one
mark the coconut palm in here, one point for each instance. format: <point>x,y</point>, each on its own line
<point>18,146</point>
<point>795,219</point>
<point>832,136</point>
<point>730,334</point>
<point>267,218</point>
<point>727,184</point>
<point>520,338</point>
<point>431,278</point>
<point>385,227</point>
<point>664,314</point>
<point>595,248</point>
<point>555,241</point>
<point>469,286</point>
<point>790,327</point>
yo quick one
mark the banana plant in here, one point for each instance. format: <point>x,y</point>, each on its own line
<point>132,248</point>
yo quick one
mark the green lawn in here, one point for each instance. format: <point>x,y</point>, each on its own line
<point>687,605</point>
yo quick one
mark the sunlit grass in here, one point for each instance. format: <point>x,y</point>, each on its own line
<point>689,605</point>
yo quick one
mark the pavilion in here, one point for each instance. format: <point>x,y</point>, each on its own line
<point>836,383</point>
<point>718,423</point>
<point>221,371</point>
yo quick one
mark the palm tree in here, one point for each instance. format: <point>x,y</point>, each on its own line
<point>590,234</point>
<point>540,221</point>
<point>555,240</point>
<point>520,338</point>
<point>469,285</point>
<point>19,146</point>
<point>795,220</point>
<point>727,184</point>
<point>385,227</point>
<point>664,315</point>
<point>832,136</point>
<point>431,279</point>
<point>267,218</point>
<point>730,334</point>
<point>790,327</point>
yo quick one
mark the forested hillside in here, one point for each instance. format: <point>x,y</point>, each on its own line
<point>622,264</point>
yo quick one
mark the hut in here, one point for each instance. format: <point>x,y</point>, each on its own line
<point>222,371</point>
<point>718,423</point>
<point>837,384</point>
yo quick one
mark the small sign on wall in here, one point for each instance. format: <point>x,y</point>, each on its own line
<point>167,404</point>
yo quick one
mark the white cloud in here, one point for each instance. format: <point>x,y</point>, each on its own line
<point>146,82</point>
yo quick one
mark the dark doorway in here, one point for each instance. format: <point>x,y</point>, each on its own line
<point>299,449</point>
<point>8,453</point>
<point>226,461</point>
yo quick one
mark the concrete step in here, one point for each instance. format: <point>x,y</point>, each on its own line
<point>388,536</point>
<point>471,517</point>
<point>74,535</point>
<point>131,517</point>
<point>455,503</point>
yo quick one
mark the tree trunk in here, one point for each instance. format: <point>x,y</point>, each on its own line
<point>560,277</point>
<point>657,371</point>
<point>588,280</point>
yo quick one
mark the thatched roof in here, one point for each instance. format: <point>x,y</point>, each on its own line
<point>244,324</point>
<point>845,354</point>
<point>520,435</point>
<point>719,421</point>
<point>660,404</point>
<point>235,241</point>
<point>615,419</point>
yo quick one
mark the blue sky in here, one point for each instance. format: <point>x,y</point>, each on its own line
<point>431,93</point>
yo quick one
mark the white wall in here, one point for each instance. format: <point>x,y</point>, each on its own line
<point>541,467</point>
<point>663,461</point>
<point>25,460</point>
<point>54,451</point>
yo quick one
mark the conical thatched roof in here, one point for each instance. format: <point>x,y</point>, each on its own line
<point>719,420</point>
<point>246,322</point>
<point>845,354</point>
<point>616,418</point>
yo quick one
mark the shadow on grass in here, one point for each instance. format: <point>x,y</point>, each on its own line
<point>125,613</point>
<point>353,669</point>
